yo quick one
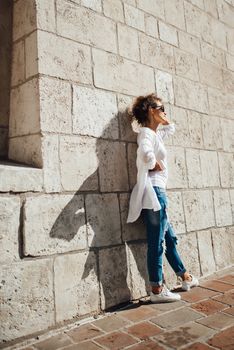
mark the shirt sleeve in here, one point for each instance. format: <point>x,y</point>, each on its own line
<point>146,149</point>
<point>167,130</point>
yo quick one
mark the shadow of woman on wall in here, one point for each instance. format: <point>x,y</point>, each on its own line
<point>115,252</point>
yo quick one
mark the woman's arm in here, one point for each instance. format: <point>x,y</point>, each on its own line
<point>146,149</point>
<point>167,130</point>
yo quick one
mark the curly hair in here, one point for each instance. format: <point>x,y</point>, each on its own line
<point>140,106</point>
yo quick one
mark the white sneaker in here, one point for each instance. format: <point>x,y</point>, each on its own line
<point>164,296</point>
<point>186,285</point>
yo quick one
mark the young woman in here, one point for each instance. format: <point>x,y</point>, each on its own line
<point>149,196</point>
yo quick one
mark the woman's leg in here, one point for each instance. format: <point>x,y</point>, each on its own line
<point>155,226</point>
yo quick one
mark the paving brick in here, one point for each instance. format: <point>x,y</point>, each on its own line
<point>138,313</point>
<point>217,321</point>
<point>227,298</point>
<point>87,345</point>
<point>176,318</point>
<point>223,340</point>
<point>198,346</point>
<point>185,334</point>
<point>164,307</point>
<point>217,285</point>
<point>84,332</point>
<point>197,294</point>
<point>53,343</point>
<point>228,279</point>
<point>111,323</point>
<point>143,330</point>
<point>208,306</point>
<point>229,311</point>
<point>147,345</point>
<point>116,340</point>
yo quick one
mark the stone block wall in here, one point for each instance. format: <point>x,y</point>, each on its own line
<point>66,250</point>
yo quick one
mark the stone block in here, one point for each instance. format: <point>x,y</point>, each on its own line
<point>115,287</point>
<point>46,15</point>
<point>156,53</point>
<point>230,61</point>
<point>230,41</point>
<point>95,5</point>
<point>176,211</point>
<point>55,105</point>
<point>18,63</point>
<point>216,108</point>
<point>174,13</point>
<point>209,168</point>
<point>31,54</point>
<point>188,250</point>
<point>189,43</point>
<point>228,81</point>
<point>212,54</point>
<point>78,163</point>
<point>222,246</point>
<point>112,169</point>
<point>103,219</point>
<point>151,27</point>
<point>114,10</point>
<point>94,113</point>
<point>53,224</point>
<point>27,298</point>
<point>198,3</point>
<point>111,72</point>
<point>134,17</point>
<point>194,168</point>
<point>26,150</point>
<point>225,12</point>
<point>62,58</point>
<point>210,74</point>
<point>206,255</point>
<point>132,168</point>
<point>51,164</point>
<point>164,86</point>
<point>181,137</point>
<point>128,42</point>
<point>190,94</point>
<point>25,109</point>
<point>20,178</point>
<point>226,161</point>
<point>85,26</point>
<point>222,206</point>
<point>127,131</point>
<point>212,132</point>
<point>9,229</point>
<point>137,258</point>
<point>198,22</point>
<point>176,165</point>
<point>24,18</point>
<point>198,206</point>
<point>186,64</point>
<point>154,8</point>
<point>232,202</point>
<point>218,34</point>
<point>76,285</point>
<point>211,8</point>
<point>168,33</point>
<point>134,230</point>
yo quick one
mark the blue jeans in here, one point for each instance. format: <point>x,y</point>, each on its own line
<point>159,230</point>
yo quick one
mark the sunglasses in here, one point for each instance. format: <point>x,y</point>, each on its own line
<point>160,108</point>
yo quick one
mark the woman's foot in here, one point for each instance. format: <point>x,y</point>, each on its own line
<point>189,282</point>
<point>164,296</point>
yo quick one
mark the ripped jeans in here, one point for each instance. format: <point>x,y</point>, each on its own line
<point>159,230</point>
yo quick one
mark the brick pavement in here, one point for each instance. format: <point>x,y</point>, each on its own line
<point>202,320</point>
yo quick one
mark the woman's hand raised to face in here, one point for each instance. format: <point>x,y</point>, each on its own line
<point>157,168</point>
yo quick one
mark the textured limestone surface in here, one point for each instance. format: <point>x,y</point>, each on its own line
<point>66,249</point>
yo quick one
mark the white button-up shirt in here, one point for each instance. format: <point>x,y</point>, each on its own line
<point>143,194</point>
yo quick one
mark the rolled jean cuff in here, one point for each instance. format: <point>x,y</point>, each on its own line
<point>156,284</point>
<point>180,273</point>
